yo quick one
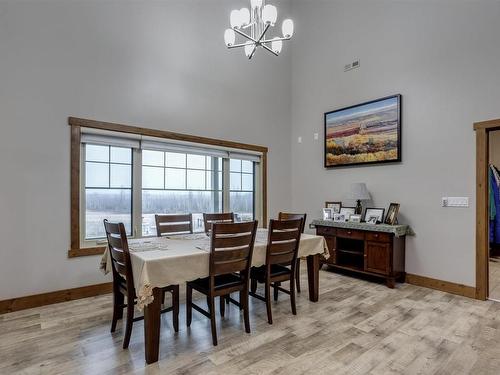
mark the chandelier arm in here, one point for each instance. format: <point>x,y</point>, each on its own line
<point>269,49</point>
<point>273,40</point>
<point>263,33</point>
<point>237,45</point>
<point>245,35</point>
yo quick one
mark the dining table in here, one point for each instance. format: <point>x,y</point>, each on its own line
<point>175,259</point>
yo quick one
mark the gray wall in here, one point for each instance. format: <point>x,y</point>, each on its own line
<point>443,57</point>
<point>158,64</point>
<point>495,148</point>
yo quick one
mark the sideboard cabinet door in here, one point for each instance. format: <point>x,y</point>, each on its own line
<point>377,257</point>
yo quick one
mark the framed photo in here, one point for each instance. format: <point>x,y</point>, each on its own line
<point>367,133</point>
<point>336,206</point>
<point>374,215</point>
<point>355,218</point>
<point>347,211</point>
<point>392,214</point>
<point>327,214</point>
<point>339,218</point>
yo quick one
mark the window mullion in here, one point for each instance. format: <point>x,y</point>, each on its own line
<point>137,192</point>
<point>226,203</point>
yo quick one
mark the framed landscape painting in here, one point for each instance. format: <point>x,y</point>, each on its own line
<point>367,133</point>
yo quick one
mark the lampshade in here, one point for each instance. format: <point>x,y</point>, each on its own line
<point>249,49</point>
<point>244,16</point>
<point>229,37</point>
<point>256,3</point>
<point>359,192</point>
<point>235,19</point>
<point>269,14</point>
<point>287,28</point>
<point>276,45</point>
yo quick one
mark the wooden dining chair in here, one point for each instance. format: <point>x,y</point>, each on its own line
<point>174,224</point>
<point>282,248</point>
<point>231,252</point>
<point>123,282</point>
<point>290,216</point>
<point>222,217</point>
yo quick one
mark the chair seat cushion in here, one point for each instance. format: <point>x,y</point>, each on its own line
<point>259,273</point>
<point>221,282</point>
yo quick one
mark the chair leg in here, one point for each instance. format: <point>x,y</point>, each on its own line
<point>268,302</point>
<point>297,275</point>
<point>253,285</point>
<point>212,319</point>
<point>276,291</point>
<point>227,299</point>
<point>118,299</point>
<point>242,297</point>
<point>292,296</point>
<point>175,305</point>
<point>130,321</point>
<point>244,304</point>
<point>189,307</point>
<point>222,305</point>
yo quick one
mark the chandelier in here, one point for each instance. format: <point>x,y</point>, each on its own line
<point>256,23</point>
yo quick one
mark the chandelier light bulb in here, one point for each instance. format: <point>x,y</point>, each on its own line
<point>287,28</point>
<point>269,14</point>
<point>244,16</point>
<point>256,3</point>
<point>249,49</point>
<point>235,19</point>
<point>276,45</point>
<point>229,37</point>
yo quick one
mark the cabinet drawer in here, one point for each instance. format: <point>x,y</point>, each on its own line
<point>326,231</point>
<point>377,236</point>
<point>350,233</point>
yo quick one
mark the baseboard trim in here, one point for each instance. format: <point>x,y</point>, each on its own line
<point>444,286</point>
<point>37,300</point>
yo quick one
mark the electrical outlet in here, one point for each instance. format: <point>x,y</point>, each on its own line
<point>353,65</point>
<point>316,136</point>
<point>299,140</point>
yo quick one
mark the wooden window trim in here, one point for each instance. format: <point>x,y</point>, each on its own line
<point>77,123</point>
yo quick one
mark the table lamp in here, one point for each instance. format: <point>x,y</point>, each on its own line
<point>359,192</point>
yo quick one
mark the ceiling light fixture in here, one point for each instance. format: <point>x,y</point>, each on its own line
<point>256,22</point>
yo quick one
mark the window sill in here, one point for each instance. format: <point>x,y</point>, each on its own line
<point>87,251</point>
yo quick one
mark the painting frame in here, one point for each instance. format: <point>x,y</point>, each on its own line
<point>376,212</point>
<point>391,218</point>
<point>399,151</point>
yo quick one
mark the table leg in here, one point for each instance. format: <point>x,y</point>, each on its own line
<point>313,277</point>
<point>152,327</point>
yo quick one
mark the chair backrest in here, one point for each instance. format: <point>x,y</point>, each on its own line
<point>283,242</point>
<point>290,216</point>
<point>119,251</point>
<point>209,219</point>
<point>231,247</point>
<point>174,224</point>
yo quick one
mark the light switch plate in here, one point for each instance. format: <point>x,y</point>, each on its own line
<point>316,136</point>
<point>455,201</point>
<point>299,140</point>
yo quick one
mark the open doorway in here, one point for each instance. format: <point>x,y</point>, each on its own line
<point>494,215</point>
<point>486,139</point>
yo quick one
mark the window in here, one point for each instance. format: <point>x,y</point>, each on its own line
<point>242,189</point>
<point>126,176</point>
<point>179,183</point>
<point>108,188</point>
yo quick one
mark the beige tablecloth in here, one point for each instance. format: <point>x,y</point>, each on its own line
<point>162,261</point>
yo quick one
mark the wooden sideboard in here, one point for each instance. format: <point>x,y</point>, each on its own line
<point>370,252</point>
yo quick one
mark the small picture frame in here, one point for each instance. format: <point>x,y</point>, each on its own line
<point>339,218</point>
<point>355,218</point>
<point>374,215</point>
<point>392,214</point>
<point>336,206</point>
<point>347,211</point>
<point>327,214</point>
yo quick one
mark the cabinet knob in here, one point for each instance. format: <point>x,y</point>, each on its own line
<point>376,235</point>
<point>349,232</point>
